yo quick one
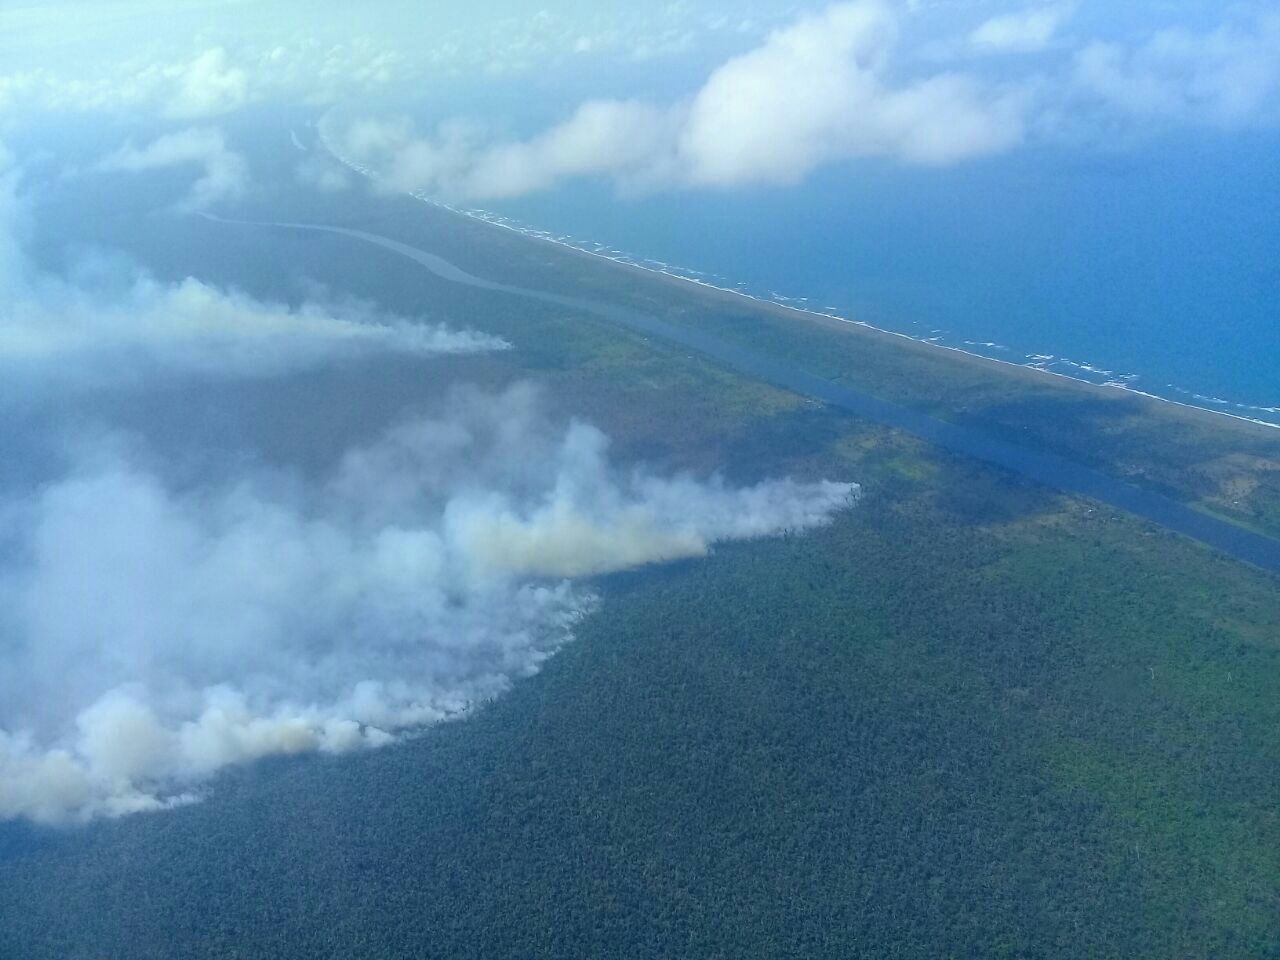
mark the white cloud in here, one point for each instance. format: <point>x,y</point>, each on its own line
<point>151,636</point>
<point>207,83</point>
<point>816,92</point>
<point>813,93</point>
<point>1028,31</point>
<point>207,86</point>
<point>1228,77</point>
<point>226,175</point>
<point>623,139</point>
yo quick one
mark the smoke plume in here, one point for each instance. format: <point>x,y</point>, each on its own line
<point>152,636</point>
<point>57,333</point>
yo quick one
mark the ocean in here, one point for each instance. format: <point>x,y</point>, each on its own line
<point>1155,267</point>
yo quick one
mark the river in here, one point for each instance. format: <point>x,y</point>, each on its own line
<point>1049,469</point>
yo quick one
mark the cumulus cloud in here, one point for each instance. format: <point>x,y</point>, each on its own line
<point>818,92</point>
<point>815,92</point>
<point>57,333</point>
<point>206,86</point>
<point>304,51</point>
<point>1028,31</point>
<point>207,83</point>
<point>627,140</point>
<point>1228,77</point>
<point>152,636</point>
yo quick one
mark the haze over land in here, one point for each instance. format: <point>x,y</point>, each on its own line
<point>717,599</point>
<point>154,636</point>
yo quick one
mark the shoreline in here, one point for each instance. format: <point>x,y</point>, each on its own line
<point>814,315</point>
<point>1052,469</point>
<point>1109,388</point>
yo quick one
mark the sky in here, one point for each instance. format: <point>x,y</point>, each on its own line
<point>154,632</point>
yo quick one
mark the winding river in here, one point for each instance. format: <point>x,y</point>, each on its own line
<point>1046,468</point>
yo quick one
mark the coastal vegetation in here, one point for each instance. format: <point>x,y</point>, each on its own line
<point>971,718</point>
<point>1225,465</point>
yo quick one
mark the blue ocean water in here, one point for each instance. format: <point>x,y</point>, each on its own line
<point>1156,266</point>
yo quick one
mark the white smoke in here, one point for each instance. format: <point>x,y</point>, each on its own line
<point>55,333</point>
<point>152,636</point>
<point>197,328</point>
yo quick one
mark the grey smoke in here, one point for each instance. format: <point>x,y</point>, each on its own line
<point>152,636</point>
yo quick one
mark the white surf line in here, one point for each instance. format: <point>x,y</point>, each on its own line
<point>494,220</point>
<point>1043,467</point>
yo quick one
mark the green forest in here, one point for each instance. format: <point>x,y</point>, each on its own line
<point>970,719</point>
